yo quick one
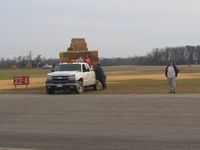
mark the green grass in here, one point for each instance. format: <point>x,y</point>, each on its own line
<point>135,69</point>
<point>119,70</point>
<point>189,69</point>
<point>133,86</point>
<point>140,70</point>
<point>6,74</point>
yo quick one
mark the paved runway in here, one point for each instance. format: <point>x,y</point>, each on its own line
<point>100,122</point>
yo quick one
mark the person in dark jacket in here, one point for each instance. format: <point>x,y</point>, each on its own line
<point>171,72</point>
<point>100,75</point>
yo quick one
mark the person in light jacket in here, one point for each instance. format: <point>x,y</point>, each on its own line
<point>171,72</point>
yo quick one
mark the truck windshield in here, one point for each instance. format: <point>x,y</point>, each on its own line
<point>69,67</point>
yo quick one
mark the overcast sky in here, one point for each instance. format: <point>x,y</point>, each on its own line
<point>117,28</point>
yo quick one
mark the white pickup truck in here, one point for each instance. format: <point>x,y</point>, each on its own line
<point>71,77</point>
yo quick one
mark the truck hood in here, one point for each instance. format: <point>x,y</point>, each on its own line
<point>63,73</point>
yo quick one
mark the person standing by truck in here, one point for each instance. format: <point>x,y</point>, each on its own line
<point>171,72</point>
<point>87,60</point>
<point>100,75</point>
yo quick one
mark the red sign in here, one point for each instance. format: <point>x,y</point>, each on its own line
<point>21,80</point>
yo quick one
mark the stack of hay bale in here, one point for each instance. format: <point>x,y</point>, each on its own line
<point>78,44</point>
<point>78,48</point>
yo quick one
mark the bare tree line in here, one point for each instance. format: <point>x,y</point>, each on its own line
<point>158,56</point>
<point>21,62</point>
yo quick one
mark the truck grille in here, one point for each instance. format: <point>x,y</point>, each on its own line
<point>60,78</point>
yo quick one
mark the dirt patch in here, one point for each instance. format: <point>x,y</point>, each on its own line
<point>152,77</point>
<point>34,82</point>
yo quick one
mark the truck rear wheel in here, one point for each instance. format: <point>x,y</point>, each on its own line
<point>97,86</point>
<point>80,88</point>
<point>94,87</point>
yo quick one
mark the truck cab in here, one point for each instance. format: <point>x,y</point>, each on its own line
<point>71,76</point>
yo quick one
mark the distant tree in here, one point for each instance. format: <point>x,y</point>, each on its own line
<point>158,56</point>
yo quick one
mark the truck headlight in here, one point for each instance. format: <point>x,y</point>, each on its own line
<point>72,77</point>
<point>49,77</point>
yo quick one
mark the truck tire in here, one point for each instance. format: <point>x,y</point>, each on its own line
<point>95,87</point>
<point>50,91</point>
<point>80,88</point>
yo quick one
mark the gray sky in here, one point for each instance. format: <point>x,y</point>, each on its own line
<point>117,28</point>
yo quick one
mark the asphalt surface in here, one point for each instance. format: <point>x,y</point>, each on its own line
<point>100,122</point>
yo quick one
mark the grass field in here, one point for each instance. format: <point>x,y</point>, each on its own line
<point>120,79</point>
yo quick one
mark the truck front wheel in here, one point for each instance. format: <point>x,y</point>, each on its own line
<point>80,88</point>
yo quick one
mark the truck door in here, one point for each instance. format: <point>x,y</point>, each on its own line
<point>85,75</point>
<point>91,76</point>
